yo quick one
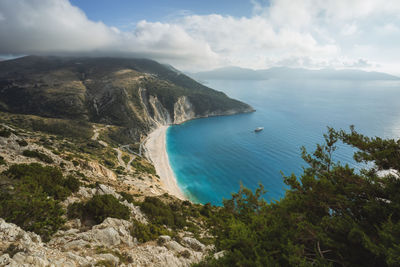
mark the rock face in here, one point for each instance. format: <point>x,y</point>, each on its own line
<point>109,241</point>
<point>183,110</point>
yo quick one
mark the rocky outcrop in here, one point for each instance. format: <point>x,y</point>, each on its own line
<point>109,241</point>
<point>161,114</point>
<point>86,193</point>
<point>183,110</point>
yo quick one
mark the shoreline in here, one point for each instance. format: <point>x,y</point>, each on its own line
<point>156,151</point>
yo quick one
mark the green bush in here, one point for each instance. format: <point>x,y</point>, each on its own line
<point>49,179</point>
<point>22,142</point>
<point>36,154</point>
<point>109,163</point>
<point>72,183</point>
<point>99,208</point>
<point>126,158</point>
<point>126,196</point>
<point>31,208</point>
<point>147,232</point>
<point>143,167</point>
<point>5,132</point>
<point>2,161</point>
<point>160,213</point>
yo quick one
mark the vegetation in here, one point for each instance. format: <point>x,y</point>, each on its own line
<point>4,132</point>
<point>22,142</point>
<point>147,232</point>
<point>37,154</point>
<point>162,214</point>
<point>331,215</point>
<point>48,179</point>
<point>126,158</point>
<point>99,208</point>
<point>143,166</point>
<point>2,161</point>
<point>126,196</point>
<point>62,127</point>
<point>33,203</point>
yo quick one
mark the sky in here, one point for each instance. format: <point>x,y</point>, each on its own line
<point>204,35</point>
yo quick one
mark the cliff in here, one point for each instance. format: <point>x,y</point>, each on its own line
<point>134,94</point>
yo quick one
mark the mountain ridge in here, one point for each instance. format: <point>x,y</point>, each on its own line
<point>137,94</point>
<point>238,73</point>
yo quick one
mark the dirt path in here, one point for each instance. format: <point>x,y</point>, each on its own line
<point>96,134</point>
<point>119,156</point>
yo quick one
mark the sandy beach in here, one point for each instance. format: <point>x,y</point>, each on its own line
<point>156,150</point>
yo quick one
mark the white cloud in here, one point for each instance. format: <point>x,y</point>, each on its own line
<point>301,33</point>
<point>349,29</point>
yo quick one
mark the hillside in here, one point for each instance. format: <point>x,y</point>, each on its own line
<point>133,94</point>
<point>74,201</point>
<point>75,188</point>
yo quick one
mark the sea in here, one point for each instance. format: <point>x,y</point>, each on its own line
<point>211,157</point>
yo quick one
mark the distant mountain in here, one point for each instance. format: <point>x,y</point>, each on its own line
<point>236,73</point>
<point>135,94</point>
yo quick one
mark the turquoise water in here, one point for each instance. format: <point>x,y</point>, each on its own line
<point>210,157</point>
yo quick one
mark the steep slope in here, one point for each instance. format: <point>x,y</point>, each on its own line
<point>53,189</point>
<point>135,94</point>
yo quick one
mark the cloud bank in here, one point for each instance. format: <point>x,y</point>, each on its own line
<point>304,33</point>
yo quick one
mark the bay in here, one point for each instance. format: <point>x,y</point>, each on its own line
<point>211,157</point>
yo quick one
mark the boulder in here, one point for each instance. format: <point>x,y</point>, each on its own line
<point>193,243</point>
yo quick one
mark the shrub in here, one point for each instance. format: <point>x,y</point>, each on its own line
<point>36,154</point>
<point>161,213</point>
<point>72,183</point>
<point>22,142</point>
<point>49,179</point>
<point>143,167</point>
<point>2,161</point>
<point>5,132</point>
<point>29,207</point>
<point>126,196</point>
<point>185,253</point>
<point>99,208</point>
<point>147,232</point>
<point>109,163</point>
<point>126,158</point>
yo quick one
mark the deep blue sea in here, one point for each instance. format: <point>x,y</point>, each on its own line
<point>210,157</point>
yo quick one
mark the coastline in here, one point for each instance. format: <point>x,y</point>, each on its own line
<point>156,151</point>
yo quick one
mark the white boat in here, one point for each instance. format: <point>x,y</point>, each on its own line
<point>259,129</point>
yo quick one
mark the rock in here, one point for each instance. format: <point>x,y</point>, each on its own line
<point>174,246</point>
<point>193,243</point>
<point>137,214</point>
<point>109,257</point>
<point>219,254</point>
<point>4,259</point>
<point>76,244</point>
<point>162,239</point>
<point>76,223</point>
<point>108,236</point>
<point>110,233</point>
